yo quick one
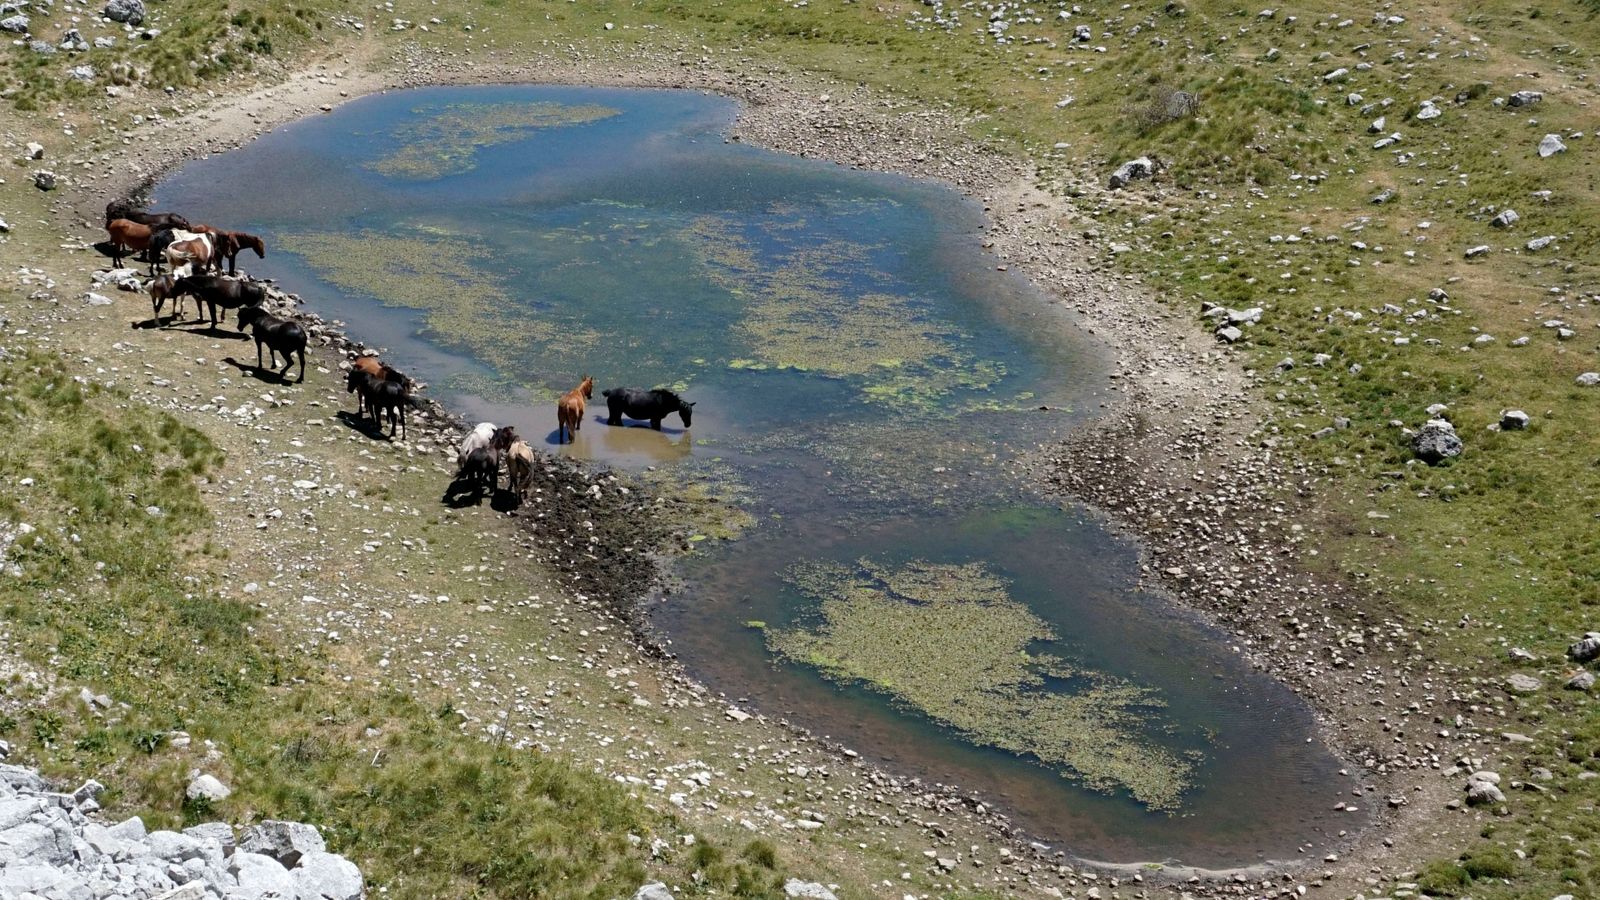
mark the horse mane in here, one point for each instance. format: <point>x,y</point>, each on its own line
<point>666,394</point>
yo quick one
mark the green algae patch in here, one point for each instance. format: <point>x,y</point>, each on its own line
<point>446,141</point>
<point>949,641</point>
<point>821,307</point>
<point>452,281</point>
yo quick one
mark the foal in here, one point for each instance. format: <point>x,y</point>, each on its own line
<point>569,410</point>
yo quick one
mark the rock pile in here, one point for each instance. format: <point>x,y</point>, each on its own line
<point>51,847</point>
<point>1436,442</point>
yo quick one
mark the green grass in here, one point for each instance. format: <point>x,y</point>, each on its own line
<point>112,596</point>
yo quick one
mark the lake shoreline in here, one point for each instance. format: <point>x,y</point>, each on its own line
<point>1030,231</point>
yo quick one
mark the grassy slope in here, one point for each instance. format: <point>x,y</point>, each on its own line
<point>1505,533</point>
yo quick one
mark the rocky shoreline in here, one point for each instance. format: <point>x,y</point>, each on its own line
<point>1184,410</point>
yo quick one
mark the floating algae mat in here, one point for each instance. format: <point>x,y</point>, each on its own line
<point>950,641</point>
<point>865,380</point>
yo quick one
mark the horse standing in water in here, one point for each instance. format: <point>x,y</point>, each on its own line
<point>569,410</point>
<point>636,403</point>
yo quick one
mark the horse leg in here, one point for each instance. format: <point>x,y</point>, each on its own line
<point>258,354</point>
<point>656,424</point>
<point>302,378</point>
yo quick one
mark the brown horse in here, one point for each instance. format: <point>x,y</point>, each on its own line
<point>569,410</point>
<point>127,238</point>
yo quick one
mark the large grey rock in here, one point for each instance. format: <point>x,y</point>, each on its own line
<point>174,847</point>
<point>35,843</point>
<point>260,877</point>
<point>1505,218</point>
<point>1482,793</point>
<point>1589,379</point>
<point>81,73</point>
<point>129,11</point>
<point>1581,681</point>
<point>1523,684</point>
<point>1229,334</point>
<point>44,180</point>
<point>193,890</point>
<point>32,879</point>
<point>1550,146</point>
<point>218,833</point>
<point>1514,420</point>
<point>22,779</point>
<point>1143,167</point>
<point>1586,648</point>
<point>72,41</point>
<point>1436,442</point>
<point>34,150</point>
<point>285,842</point>
<point>794,887</point>
<point>17,24</point>
<point>654,890</point>
<point>1429,110</point>
<point>207,787</point>
<point>1524,98</point>
<point>327,876</point>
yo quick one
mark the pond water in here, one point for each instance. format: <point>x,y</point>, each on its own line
<point>864,378</point>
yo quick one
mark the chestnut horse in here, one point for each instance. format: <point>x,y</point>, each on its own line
<point>569,410</point>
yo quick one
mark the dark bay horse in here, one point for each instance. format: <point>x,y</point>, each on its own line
<point>282,337</point>
<point>636,403</point>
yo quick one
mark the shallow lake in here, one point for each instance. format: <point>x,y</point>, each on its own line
<point>864,378</point>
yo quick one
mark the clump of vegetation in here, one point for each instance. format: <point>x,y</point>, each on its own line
<point>803,309</point>
<point>440,142</point>
<point>949,641</point>
<point>451,279</point>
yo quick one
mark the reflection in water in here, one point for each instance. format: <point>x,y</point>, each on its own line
<point>863,376</point>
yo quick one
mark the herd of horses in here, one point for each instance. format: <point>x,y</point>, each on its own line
<point>194,254</point>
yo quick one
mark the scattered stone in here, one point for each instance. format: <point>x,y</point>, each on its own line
<point>1436,442</point>
<point>81,73</point>
<point>285,842</point>
<point>207,787</point>
<point>326,876</point>
<point>1524,98</point>
<point>1475,252</point>
<point>129,11</point>
<point>1514,420</point>
<point>653,890</point>
<point>794,887</point>
<point>44,180</point>
<point>1229,334</point>
<point>1483,789</point>
<point>1539,243</point>
<point>17,24</point>
<point>1505,219</point>
<point>1378,125</point>
<point>1143,167</point>
<point>1518,654</point>
<point>1550,146</point>
<point>1383,196</point>
<point>1586,648</point>
<point>1581,681</point>
<point>1589,379</point>
<point>1523,684</point>
<point>1429,111</point>
<point>93,299</point>
<point>34,150</point>
<point>73,42</point>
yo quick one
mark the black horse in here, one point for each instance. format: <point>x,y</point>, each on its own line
<point>636,403</point>
<point>122,209</point>
<point>382,397</point>
<point>217,291</point>
<point>283,337</point>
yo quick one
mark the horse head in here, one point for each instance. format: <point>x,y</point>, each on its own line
<point>503,438</point>
<point>683,410</point>
<point>249,315</point>
<point>252,242</point>
<point>587,386</point>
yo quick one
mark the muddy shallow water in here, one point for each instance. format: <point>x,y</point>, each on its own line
<point>863,377</point>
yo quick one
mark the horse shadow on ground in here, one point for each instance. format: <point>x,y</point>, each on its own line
<point>363,423</point>
<point>464,491</point>
<point>259,373</point>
